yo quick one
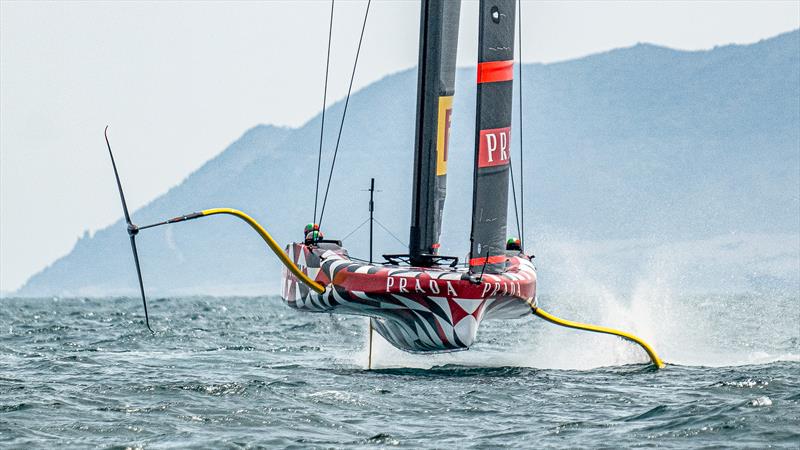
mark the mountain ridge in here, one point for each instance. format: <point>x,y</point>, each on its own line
<point>608,135</point>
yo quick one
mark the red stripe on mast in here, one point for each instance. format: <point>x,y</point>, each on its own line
<point>494,71</point>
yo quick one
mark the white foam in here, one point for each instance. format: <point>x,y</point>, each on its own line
<point>683,328</point>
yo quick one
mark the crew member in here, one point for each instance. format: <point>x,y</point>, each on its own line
<point>310,227</point>
<point>513,244</point>
<point>313,237</point>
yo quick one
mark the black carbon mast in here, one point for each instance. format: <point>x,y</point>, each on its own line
<point>492,136</point>
<point>438,41</point>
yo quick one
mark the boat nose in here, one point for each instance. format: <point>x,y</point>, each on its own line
<point>466,330</point>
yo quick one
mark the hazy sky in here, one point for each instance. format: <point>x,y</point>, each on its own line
<point>178,82</point>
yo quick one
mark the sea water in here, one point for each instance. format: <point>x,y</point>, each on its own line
<point>241,372</point>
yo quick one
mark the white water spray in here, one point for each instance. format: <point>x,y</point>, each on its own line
<point>646,293</point>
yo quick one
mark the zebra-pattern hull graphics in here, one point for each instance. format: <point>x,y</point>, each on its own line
<point>415,309</point>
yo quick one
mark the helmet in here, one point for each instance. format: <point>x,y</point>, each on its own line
<point>311,227</point>
<point>313,237</point>
<point>513,244</point>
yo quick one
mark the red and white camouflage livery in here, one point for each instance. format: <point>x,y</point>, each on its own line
<point>421,310</point>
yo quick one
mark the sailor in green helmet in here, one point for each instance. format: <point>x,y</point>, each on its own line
<point>313,237</point>
<point>513,244</point>
<point>312,234</point>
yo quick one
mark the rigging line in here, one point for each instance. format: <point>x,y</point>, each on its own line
<point>344,113</point>
<point>324,103</point>
<point>514,194</point>
<point>361,260</point>
<point>392,234</point>
<point>521,147</point>
<point>355,229</point>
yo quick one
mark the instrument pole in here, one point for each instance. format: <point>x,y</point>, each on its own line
<point>371,211</point>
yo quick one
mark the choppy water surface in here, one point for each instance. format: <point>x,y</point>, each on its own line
<point>229,372</point>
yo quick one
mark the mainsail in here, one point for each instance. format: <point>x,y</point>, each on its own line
<point>435,89</point>
<point>492,135</point>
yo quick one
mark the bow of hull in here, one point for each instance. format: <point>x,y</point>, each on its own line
<point>421,310</point>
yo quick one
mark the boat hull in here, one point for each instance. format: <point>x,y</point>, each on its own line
<point>419,310</point>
